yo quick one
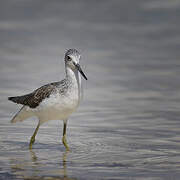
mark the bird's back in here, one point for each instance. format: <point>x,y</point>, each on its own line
<point>33,99</point>
<point>52,101</point>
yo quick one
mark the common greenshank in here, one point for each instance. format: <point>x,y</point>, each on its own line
<point>54,101</point>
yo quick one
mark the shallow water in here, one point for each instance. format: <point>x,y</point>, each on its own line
<point>127,126</point>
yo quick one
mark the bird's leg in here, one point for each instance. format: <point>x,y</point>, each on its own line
<point>33,136</point>
<point>64,135</point>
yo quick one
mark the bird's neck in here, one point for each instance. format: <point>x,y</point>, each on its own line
<point>74,77</point>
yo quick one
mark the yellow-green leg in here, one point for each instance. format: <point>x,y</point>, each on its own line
<point>64,136</point>
<point>33,136</point>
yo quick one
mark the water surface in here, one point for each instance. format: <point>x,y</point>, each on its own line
<point>127,126</point>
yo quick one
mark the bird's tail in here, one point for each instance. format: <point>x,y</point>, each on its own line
<point>21,115</point>
<point>14,99</point>
<point>18,99</point>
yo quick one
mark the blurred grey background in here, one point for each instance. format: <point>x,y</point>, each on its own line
<point>128,124</point>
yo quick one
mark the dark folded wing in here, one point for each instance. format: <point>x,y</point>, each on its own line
<point>36,97</point>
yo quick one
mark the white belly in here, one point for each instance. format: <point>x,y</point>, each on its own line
<point>56,107</point>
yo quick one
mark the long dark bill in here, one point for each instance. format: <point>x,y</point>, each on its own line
<point>80,70</point>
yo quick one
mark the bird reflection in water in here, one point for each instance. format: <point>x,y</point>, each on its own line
<point>34,170</point>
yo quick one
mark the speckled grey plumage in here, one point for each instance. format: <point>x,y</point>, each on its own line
<point>36,97</point>
<point>63,94</point>
<point>53,101</point>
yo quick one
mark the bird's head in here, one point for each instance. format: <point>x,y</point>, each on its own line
<point>72,59</point>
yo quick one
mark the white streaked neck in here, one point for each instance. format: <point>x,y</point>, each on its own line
<point>75,78</point>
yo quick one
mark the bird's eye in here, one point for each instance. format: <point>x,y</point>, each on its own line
<point>68,58</point>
